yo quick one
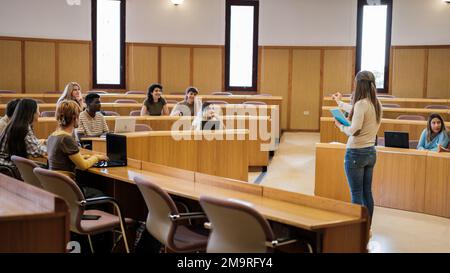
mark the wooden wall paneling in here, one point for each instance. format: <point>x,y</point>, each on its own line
<point>74,65</point>
<point>338,70</point>
<point>408,72</point>
<point>207,69</point>
<point>305,89</point>
<point>142,66</point>
<point>10,65</point>
<point>175,68</point>
<point>438,73</point>
<point>40,69</point>
<point>275,77</point>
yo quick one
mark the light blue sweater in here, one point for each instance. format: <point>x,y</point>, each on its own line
<point>441,138</point>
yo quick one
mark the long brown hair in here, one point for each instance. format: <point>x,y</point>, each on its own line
<point>67,93</point>
<point>366,88</point>
<point>429,131</point>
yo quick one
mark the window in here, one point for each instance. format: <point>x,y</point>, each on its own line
<point>374,40</point>
<point>241,45</point>
<point>108,38</point>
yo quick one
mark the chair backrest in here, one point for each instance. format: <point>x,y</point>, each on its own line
<point>135,92</point>
<point>66,188</point>
<point>385,96</point>
<point>26,168</point>
<point>437,107</point>
<point>159,205</point>
<point>97,92</point>
<point>411,117</point>
<point>390,105</point>
<point>346,95</point>
<point>380,141</point>
<point>110,113</point>
<point>52,92</point>
<point>413,144</point>
<point>217,102</point>
<point>142,128</point>
<point>135,113</point>
<point>48,114</point>
<point>172,101</point>
<point>125,101</point>
<point>222,93</point>
<point>7,91</point>
<point>254,102</point>
<point>236,227</point>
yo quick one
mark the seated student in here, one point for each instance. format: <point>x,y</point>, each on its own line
<point>18,137</point>
<point>92,122</point>
<point>208,113</point>
<point>155,104</point>
<point>72,91</point>
<point>434,135</point>
<point>189,105</point>
<point>63,153</point>
<point>10,107</point>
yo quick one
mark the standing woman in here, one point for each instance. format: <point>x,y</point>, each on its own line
<point>72,91</point>
<point>365,115</point>
<point>18,137</point>
<point>155,104</point>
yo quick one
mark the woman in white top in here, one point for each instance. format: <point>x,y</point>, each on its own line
<point>365,115</point>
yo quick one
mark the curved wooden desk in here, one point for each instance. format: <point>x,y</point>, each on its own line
<point>334,226</point>
<point>403,102</point>
<point>405,179</point>
<point>31,220</point>
<point>393,113</point>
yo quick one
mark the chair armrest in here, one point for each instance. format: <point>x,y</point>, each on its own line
<point>99,200</point>
<point>281,242</point>
<point>187,215</point>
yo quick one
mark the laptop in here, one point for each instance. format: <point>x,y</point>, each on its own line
<point>396,139</point>
<point>116,149</point>
<point>125,125</point>
<point>210,125</point>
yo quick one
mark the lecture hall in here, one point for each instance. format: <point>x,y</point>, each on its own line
<point>224,126</point>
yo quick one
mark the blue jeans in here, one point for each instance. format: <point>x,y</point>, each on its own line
<point>359,165</point>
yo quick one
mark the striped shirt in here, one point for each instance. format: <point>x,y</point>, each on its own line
<point>92,126</point>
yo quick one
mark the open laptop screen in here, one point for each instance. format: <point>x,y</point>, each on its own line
<point>396,139</point>
<point>116,147</point>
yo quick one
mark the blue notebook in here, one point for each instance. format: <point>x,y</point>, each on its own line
<point>337,114</point>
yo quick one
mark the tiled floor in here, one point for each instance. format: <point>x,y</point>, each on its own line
<point>293,168</point>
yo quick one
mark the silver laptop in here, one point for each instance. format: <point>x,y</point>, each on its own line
<point>125,125</point>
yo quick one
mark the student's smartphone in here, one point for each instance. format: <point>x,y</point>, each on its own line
<point>90,217</point>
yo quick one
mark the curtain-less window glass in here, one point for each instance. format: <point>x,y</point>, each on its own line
<point>108,40</point>
<point>374,29</point>
<point>241,45</point>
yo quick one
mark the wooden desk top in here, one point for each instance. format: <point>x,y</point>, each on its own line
<point>308,217</point>
<point>18,199</point>
<point>403,110</point>
<point>394,100</point>
<point>139,96</point>
<point>177,133</point>
<point>392,121</point>
<point>388,150</point>
<point>168,118</point>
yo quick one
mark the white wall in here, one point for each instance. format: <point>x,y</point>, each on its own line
<point>282,22</point>
<point>420,22</point>
<point>308,22</point>
<point>193,22</point>
<point>52,19</point>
